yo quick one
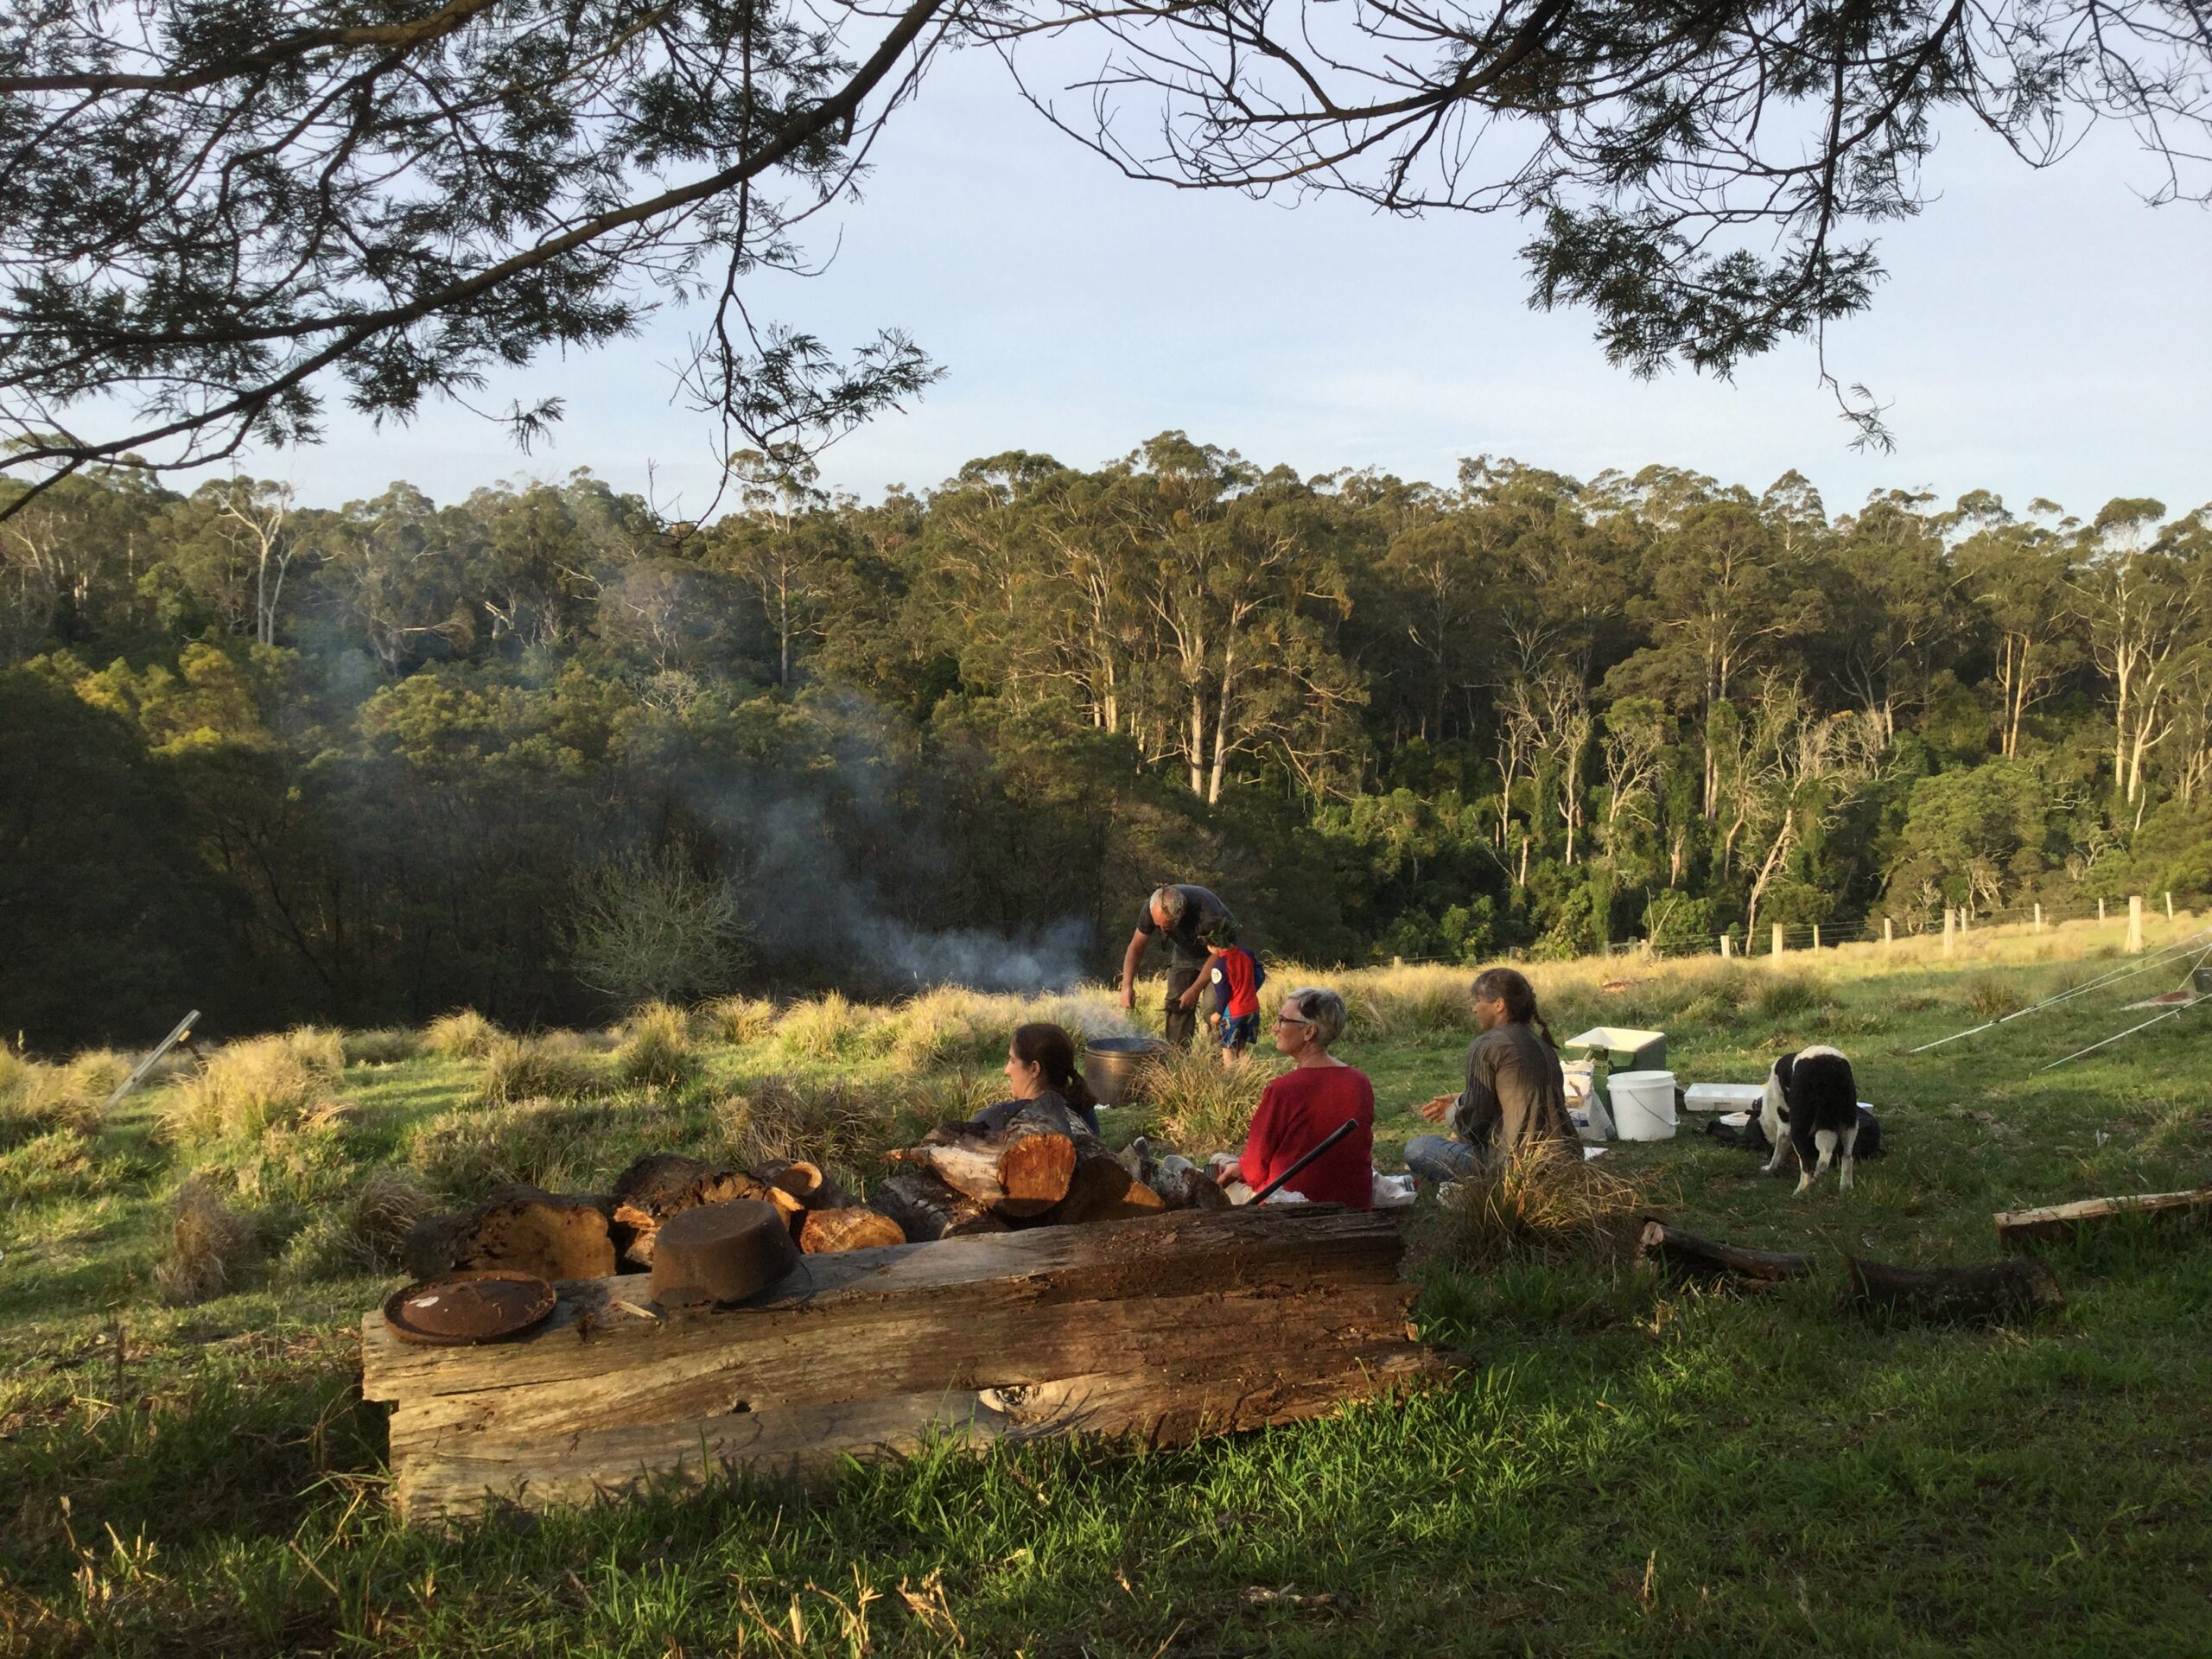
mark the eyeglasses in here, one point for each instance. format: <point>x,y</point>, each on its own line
<point>1292,1020</point>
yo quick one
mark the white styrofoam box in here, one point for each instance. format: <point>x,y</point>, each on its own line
<point>1612,1037</point>
<point>1724,1097</point>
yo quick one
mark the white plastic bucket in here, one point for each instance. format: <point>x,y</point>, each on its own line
<point>1643,1104</point>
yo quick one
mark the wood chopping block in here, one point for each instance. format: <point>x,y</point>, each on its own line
<point>721,1253</point>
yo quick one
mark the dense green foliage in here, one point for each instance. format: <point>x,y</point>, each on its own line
<point>366,764</point>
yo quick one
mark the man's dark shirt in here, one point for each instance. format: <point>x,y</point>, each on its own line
<point>1201,910</point>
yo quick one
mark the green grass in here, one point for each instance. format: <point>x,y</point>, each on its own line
<point>1626,1468</point>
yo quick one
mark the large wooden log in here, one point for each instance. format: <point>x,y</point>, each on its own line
<point>552,1236</point>
<point>2002,1290</point>
<point>594,1330</point>
<point>2017,1228</point>
<point>1166,1328</point>
<point>927,1210</point>
<point>663,1184</point>
<point>1688,1253</point>
<point>830,1232</point>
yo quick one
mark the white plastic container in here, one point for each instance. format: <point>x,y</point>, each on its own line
<point>1724,1097</point>
<point>1643,1104</point>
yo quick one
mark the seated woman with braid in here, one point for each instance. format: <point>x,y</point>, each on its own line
<point>1040,1067</point>
<point>1515,1097</point>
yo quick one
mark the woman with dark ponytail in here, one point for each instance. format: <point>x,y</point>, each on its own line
<point>1040,1067</point>
<point>1515,1097</point>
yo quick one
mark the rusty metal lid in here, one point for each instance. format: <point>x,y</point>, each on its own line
<point>492,1304</point>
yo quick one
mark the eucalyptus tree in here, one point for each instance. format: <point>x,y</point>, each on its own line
<point>222,212</point>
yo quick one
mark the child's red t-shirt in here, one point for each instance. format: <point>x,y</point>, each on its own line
<point>1235,972</point>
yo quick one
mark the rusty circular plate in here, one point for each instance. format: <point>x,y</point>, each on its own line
<point>492,1304</point>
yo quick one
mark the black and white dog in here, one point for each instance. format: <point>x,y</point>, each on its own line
<point>1812,1105</point>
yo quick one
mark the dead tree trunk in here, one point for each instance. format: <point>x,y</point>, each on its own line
<point>1687,1253</point>
<point>2002,1290</point>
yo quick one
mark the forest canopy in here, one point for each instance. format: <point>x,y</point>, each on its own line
<point>540,752</point>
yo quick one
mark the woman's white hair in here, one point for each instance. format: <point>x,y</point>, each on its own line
<point>1321,1009</point>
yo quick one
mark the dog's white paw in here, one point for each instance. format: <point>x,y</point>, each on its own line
<point>1805,1180</point>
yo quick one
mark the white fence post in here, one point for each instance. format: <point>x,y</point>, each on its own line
<point>2134,924</point>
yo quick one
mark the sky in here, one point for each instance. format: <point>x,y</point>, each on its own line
<point>2040,334</point>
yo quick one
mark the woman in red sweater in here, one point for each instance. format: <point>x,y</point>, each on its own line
<point>1299,1109</point>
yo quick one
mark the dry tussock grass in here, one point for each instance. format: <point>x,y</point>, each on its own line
<point>825,1027</point>
<point>463,1034</point>
<point>1201,1105</point>
<point>385,1209</point>
<point>1544,1203</point>
<point>655,1051</point>
<point>36,1099</point>
<point>845,1128</point>
<point>385,1046</point>
<point>735,1021</point>
<point>551,1065</point>
<point>246,1089</point>
<point>209,1243</point>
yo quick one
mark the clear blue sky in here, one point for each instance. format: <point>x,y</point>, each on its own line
<point>2040,333</point>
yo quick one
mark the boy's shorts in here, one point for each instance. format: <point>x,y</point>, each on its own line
<point>1240,1032</point>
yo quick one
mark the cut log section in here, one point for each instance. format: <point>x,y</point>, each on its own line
<point>926,1208</point>
<point>1183,1186</point>
<point>1102,1189</point>
<point>2016,1228</point>
<point>809,1182</point>
<point>664,1185</point>
<point>1020,1171</point>
<point>519,1227</point>
<point>1687,1253</point>
<point>830,1232</point>
<point>2003,1290</point>
<point>1162,1329</point>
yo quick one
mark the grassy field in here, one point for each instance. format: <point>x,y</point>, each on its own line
<point>185,1467</point>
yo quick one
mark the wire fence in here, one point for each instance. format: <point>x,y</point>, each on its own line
<point>1959,924</point>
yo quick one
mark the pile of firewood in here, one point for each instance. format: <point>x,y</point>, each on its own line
<point>1043,1169</point>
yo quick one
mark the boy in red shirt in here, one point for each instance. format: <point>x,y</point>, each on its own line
<point>1236,977</point>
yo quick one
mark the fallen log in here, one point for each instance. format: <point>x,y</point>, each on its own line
<point>1163,1329</point>
<point>552,1236</point>
<point>2016,1228</point>
<point>1688,1253</point>
<point>2002,1290</point>
<point>927,1210</point>
<point>830,1232</point>
<point>664,1185</point>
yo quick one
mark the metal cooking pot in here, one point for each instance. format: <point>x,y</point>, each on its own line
<point>1110,1065</point>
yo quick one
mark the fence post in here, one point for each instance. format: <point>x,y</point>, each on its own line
<point>1725,945</point>
<point>1777,938</point>
<point>2169,904</point>
<point>2100,910</point>
<point>1950,929</point>
<point>2039,918</point>
<point>1889,931</point>
<point>1816,936</point>
<point>2134,924</point>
